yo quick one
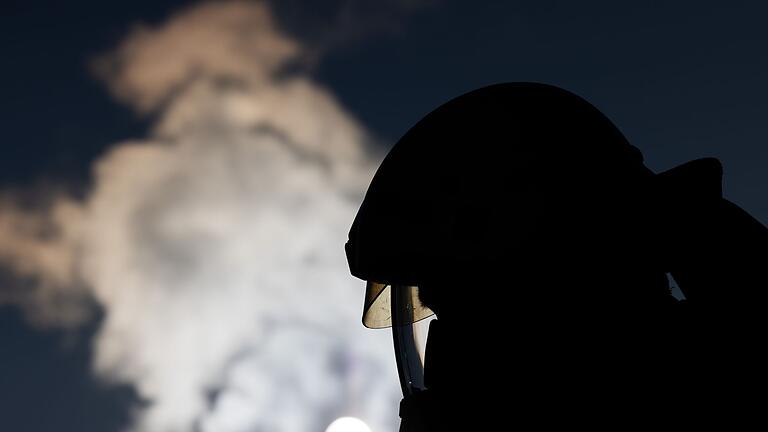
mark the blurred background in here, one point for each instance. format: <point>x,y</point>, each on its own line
<point>177,180</point>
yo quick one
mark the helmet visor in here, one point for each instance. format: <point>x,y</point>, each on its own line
<point>378,313</point>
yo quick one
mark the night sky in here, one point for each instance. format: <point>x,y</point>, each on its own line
<point>682,80</point>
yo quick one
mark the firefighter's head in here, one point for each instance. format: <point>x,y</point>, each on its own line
<point>514,189</point>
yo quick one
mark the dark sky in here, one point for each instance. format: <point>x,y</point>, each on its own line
<point>682,80</point>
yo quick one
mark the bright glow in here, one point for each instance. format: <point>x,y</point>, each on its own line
<point>348,424</point>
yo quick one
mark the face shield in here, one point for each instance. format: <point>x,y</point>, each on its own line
<point>399,307</point>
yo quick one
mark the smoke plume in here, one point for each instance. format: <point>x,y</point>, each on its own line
<point>214,245</point>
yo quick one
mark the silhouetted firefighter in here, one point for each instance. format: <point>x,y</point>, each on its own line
<point>522,217</point>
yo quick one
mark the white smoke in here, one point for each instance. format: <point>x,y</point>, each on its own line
<point>214,246</point>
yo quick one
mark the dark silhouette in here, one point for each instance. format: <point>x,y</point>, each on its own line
<point>534,231</point>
